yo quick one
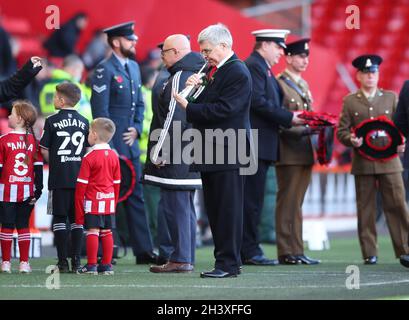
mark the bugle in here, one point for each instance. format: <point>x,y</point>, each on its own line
<point>186,92</point>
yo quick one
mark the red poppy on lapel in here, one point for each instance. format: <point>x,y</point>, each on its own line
<point>118,79</point>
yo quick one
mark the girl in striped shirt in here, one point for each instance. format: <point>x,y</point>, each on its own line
<point>21,182</point>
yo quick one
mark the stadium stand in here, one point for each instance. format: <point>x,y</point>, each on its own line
<point>328,29</point>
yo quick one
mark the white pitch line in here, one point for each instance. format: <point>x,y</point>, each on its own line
<point>141,286</point>
<point>272,272</point>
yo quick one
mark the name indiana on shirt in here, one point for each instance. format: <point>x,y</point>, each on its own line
<point>70,123</point>
<point>19,145</point>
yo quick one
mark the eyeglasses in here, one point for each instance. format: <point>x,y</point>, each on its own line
<point>206,52</point>
<point>166,50</point>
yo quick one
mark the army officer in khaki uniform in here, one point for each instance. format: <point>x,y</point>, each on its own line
<point>367,103</point>
<point>296,158</point>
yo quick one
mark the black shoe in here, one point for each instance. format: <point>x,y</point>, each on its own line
<point>75,264</point>
<point>404,260</point>
<point>261,261</point>
<point>147,258</point>
<point>217,273</point>
<point>63,266</point>
<point>371,260</point>
<point>307,260</point>
<point>288,259</point>
<point>161,261</point>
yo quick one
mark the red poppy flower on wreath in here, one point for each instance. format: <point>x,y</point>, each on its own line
<point>119,79</point>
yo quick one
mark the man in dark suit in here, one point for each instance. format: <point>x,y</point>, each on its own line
<point>266,115</point>
<point>12,87</point>
<point>401,120</point>
<point>116,94</point>
<point>222,106</point>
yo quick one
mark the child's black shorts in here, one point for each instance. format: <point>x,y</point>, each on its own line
<point>16,214</point>
<point>99,221</point>
<point>61,202</point>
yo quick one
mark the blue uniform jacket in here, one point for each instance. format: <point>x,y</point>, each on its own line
<point>117,96</point>
<point>267,112</point>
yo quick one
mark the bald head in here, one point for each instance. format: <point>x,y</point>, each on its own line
<point>177,41</point>
<point>175,47</point>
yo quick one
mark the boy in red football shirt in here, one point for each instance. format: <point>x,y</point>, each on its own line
<point>96,196</point>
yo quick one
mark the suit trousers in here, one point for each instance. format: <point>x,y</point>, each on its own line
<point>254,190</point>
<point>292,181</point>
<point>138,225</point>
<point>395,209</point>
<point>179,212</point>
<point>223,196</point>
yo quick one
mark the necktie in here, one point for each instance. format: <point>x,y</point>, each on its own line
<point>211,72</point>
<point>127,70</point>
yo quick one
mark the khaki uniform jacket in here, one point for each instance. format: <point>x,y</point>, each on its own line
<point>295,148</point>
<point>356,108</point>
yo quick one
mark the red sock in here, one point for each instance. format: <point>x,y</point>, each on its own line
<point>23,243</point>
<point>92,247</point>
<point>107,246</point>
<point>6,237</point>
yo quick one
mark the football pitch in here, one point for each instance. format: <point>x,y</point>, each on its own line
<point>386,280</point>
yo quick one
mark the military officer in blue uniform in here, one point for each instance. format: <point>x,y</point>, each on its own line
<point>267,114</point>
<point>116,94</point>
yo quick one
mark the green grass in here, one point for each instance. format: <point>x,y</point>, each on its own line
<point>386,280</point>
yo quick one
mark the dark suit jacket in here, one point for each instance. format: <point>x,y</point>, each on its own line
<point>401,118</point>
<point>267,112</point>
<point>117,96</point>
<point>13,86</point>
<point>224,104</point>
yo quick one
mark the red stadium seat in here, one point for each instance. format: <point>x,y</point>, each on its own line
<point>383,31</point>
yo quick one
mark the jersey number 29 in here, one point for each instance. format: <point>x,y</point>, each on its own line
<point>77,139</point>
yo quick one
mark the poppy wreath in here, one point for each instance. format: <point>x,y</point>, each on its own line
<point>369,131</point>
